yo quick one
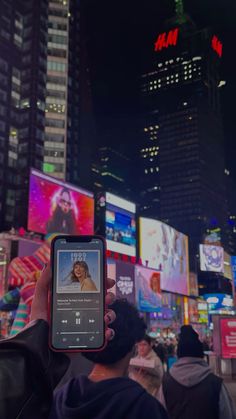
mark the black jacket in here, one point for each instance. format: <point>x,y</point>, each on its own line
<point>114,398</point>
<point>29,372</point>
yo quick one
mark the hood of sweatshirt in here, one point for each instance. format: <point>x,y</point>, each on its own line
<point>113,398</point>
<point>190,371</point>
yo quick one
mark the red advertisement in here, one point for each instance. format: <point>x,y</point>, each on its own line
<point>58,207</point>
<point>228,337</point>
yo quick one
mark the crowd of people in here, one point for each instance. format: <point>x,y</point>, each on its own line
<point>129,378</point>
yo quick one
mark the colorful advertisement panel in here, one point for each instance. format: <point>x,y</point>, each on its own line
<point>58,207</point>
<point>125,281</point>
<point>147,289</point>
<point>228,338</point>
<point>218,302</point>
<point>211,258</point>
<point>120,225</point>
<point>202,311</point>
<point>165,249</point>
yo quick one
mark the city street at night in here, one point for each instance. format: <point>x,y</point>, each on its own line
<point>117,209</point>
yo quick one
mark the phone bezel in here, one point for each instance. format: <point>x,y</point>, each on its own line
<point>76,239</point>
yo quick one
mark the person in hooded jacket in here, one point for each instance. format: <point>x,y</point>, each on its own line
<point>190,389</point>
<point>108,393</point>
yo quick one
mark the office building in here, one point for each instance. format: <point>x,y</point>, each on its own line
<point>45,105</point>
<point>181,143</point>
<point>111,172</point>
<point>23,61</point>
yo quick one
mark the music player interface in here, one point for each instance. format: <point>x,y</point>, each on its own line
<point>78,314</point>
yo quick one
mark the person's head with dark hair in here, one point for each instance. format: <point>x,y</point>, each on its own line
<point>129,328</point>
<point>144,346</point>
<point>65,200</point>
<point>189,344</point>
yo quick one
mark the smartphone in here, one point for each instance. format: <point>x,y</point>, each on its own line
<point>78,293</point>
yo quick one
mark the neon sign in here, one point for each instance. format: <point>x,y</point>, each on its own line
<point>166,39</point>
<point>217,45</point>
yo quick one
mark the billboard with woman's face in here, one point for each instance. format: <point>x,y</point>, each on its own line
<point>58,207</point>
<point>165,249</point>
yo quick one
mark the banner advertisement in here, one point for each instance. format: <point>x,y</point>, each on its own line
<point>211,258</point>
<point>125,281</point>
<point>120,225</point>
<point>59,207</point>
<point>228,337</point>
<point>147,289</point>
<point>165,249</point>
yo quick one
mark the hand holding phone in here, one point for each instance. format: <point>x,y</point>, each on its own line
<point>78,293</point>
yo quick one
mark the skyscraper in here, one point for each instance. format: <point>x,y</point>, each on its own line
<point>23,59</point>
<point>181,149</point>
<point>45,112</point>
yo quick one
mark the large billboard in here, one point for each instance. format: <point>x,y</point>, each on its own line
<point>120,225</point>
<point>58,207</point>
<point>228,337</point>
<point>211,258</point>
<point>147,289</point>
<point>219,302</point>
<point>165,249</point>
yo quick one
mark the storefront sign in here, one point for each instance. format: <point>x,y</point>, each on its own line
<point>166,39</point>
<point>228,338</point>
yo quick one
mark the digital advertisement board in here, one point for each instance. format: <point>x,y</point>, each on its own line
<point>125,281</point>
<point>228,337</point>
<point>227,266</point>
<point>58,207</point>
<point>147,289</point>
<point>165,249</point>
<point>202,311</point>
<point>120,225</point>
<point>124,275</point>
<point>218,302</point>
<point>211,258</point>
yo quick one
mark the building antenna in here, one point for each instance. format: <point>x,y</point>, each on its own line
<point>179,10</point>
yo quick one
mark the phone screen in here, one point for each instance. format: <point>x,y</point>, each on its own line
<point>77,318</point>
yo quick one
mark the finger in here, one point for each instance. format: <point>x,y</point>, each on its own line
<point>110,283</point>
<point>110,334</point>
<point>109,317</point>
<point>110,298</point>
<point>45,277</point>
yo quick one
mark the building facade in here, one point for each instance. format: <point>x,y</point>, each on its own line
<point>23,62</point>
<point>45,105</point>
<point>181,142</point>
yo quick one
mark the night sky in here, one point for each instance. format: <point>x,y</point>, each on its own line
<point>120,43</point>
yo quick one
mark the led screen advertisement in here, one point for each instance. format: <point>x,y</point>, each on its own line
<point>165,249</point>
<point>58,207</point>
<point>218,302</point>
<point>147,289</point>
<point>228,337</point>
<point>211,258</point>
<point>125,281</point>
<point>120,225</point>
